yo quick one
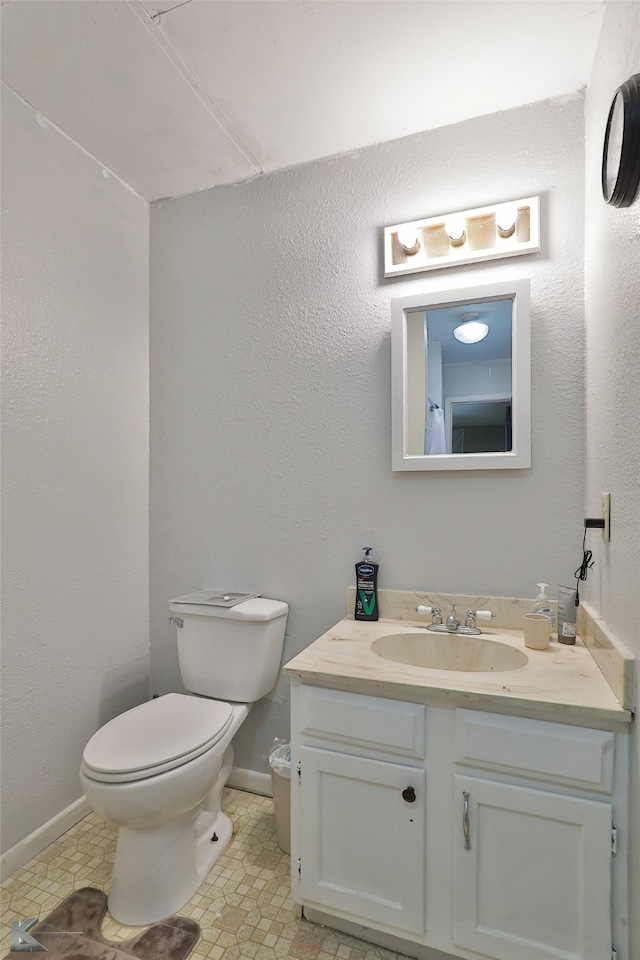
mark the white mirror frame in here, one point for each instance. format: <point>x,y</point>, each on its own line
<point>519,457</point>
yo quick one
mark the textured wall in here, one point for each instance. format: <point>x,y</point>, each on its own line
<point>270,386</point>
<point>74,465</point>
<point>612,379</point>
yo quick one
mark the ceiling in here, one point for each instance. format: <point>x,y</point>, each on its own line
<point>181,95</point>
<point>498,344</point>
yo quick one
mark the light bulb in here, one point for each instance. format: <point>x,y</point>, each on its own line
<point>408,240</point>
<point>455,230</point>
<point>506,217</point>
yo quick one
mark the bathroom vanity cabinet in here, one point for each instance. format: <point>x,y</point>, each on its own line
<point>427,826</point>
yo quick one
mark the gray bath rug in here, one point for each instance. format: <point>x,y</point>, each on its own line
<point>83,911</point>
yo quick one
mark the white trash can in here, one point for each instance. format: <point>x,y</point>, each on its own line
<point>280,764</point>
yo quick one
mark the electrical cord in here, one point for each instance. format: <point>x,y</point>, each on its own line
<point>583,570</point>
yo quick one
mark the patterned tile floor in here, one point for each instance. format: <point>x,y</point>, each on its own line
<point>243,907</point>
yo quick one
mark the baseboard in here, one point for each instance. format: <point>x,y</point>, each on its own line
<point>35,843</point>
<point>251,781</point>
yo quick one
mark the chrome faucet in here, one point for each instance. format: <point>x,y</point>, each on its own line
<point>452,621</point>
<point>452,624</point>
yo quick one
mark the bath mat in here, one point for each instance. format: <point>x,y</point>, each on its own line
<point>83,911</point>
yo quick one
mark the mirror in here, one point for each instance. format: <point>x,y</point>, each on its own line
<point>461,380</point>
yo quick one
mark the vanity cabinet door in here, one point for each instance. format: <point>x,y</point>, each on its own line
<point>532,873</point>
<point>363,840</point>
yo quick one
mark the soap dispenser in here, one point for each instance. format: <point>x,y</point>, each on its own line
<point>543,605</point>
<point>366,607</point>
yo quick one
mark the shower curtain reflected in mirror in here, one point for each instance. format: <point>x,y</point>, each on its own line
<point>436,440</point>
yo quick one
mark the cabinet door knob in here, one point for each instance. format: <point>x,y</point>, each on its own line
<point>409,794</point>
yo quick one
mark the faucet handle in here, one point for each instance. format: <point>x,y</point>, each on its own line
<point>485,615</point>
<point>470,619</point>
<point>436,614</point>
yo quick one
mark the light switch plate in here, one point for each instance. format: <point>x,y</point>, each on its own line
<point>606,516</point>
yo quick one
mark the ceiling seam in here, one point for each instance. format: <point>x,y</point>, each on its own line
<point>155,31</point>
<point>44,122</point>
<point>161,13</point>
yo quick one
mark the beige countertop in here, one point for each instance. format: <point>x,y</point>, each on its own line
<point>563,683</point>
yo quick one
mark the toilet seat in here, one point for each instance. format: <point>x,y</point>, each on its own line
<point>156,736</point>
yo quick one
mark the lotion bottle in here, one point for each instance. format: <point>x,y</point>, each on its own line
<point>366,607</point>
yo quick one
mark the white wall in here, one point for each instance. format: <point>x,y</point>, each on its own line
<point>75,462</point>
<point>476,379</point>
<point>613,380</point>
<point>270,386</point>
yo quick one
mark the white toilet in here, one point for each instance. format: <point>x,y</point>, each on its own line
<point>158,770</point>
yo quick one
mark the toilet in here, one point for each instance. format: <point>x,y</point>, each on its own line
<point>158,770</point>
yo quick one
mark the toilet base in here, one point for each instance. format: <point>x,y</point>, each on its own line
<point>140,895</point>
<point>157,871</point>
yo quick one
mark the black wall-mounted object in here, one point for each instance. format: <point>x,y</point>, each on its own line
<point>621,150</point>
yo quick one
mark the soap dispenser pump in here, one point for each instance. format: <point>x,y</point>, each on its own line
<point>543,605</point>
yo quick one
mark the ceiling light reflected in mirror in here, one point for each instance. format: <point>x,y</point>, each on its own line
<point>471,330</point>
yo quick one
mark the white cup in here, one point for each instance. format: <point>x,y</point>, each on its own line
<point>537,631</point>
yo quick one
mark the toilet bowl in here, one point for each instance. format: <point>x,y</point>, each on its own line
<point>157,771</point>
<point>165,801</point>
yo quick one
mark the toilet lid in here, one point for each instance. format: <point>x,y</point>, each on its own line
<point>156,736</point>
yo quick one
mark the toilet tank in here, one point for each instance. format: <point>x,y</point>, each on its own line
<point>230,653</point>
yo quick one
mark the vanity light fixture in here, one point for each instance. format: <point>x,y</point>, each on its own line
<point>466,236</point>
<point>408,240</point>
<point>471,330</point>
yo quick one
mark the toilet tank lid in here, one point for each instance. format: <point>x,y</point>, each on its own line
<point>258,608</point>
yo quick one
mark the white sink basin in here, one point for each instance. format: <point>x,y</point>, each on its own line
<point>439,651</point>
